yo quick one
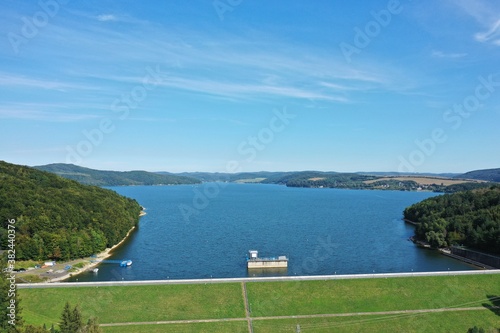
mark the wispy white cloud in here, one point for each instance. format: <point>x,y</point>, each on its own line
<point>441,54</point>
<point>22,81</point>
<point>217,120</point>
<point>487,14</point>
<point>339,87</point>
<point>491,36</point>
<point>246,90</point>
<point>223,66</point>
<point>107,17</point>
<point>480,10</point>
<point>61,149</point>
<point>39,112</point>
<point>152,119</point>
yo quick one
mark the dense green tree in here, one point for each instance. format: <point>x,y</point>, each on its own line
<point>76,320</point>
<point>34,329</point>
<point>359,181</point>
<point>470,218</point>
<point>65,325</point>
<point>72,322</point>
<point>92,326</point>
<point>58,218</point>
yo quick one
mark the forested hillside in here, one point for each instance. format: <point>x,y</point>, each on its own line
<point>59,218</point>
<point>114,178</point>
<point>491,175</point>
<point>471,218</point>
<point>323,179</point>
<point>365,181</point>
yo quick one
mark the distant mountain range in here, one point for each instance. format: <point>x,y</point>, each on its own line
<point>390,180</point>
<point>233,177</point>
<point>114,178</point>
<point>490,175</point>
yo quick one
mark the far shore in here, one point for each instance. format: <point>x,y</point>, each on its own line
<point>91,262</point>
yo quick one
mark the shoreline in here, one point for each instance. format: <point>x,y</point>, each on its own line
<point>100,256</point>
<point>445,252</point>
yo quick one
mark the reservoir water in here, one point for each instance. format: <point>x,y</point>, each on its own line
<point>206,231</point>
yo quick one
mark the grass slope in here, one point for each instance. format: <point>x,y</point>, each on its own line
<point>135,303</point>
<point>452,322</point>
<point>366,295</point>
<point>218,301</point>
<point>222,327</point>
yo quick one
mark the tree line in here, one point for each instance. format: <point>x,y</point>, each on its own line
<point>60,219</point>
<point>317,179</point>
<point>470,218</point>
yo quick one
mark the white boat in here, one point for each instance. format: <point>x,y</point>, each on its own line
<point>126,263</point>
<point>95,270</point>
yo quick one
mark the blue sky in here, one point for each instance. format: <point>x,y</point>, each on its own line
<point>251,85</point>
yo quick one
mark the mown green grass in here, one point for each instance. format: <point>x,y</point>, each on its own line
<point>135,303</point>
<point>26,264</point>
<point>443,322</point>
<point>365,295</point>
<point>217,301</point>
<point>30,278</point>
<point>223,327</point>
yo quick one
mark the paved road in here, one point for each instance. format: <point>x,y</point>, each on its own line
<point>351,314</point>
<point>250,279</point>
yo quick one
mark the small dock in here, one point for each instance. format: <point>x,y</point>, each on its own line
<point>123,263</point>
<point>253,261</point>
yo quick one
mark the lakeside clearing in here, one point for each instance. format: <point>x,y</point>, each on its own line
<point>425,180</point>
<point>410,304</point>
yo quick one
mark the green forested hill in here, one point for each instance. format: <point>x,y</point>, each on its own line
<point>59,218</point>
<point>491,175</point>
<point>471,218</point>
<point>114,178</point>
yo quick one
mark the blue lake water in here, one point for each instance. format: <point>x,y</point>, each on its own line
<point>206,231</point>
